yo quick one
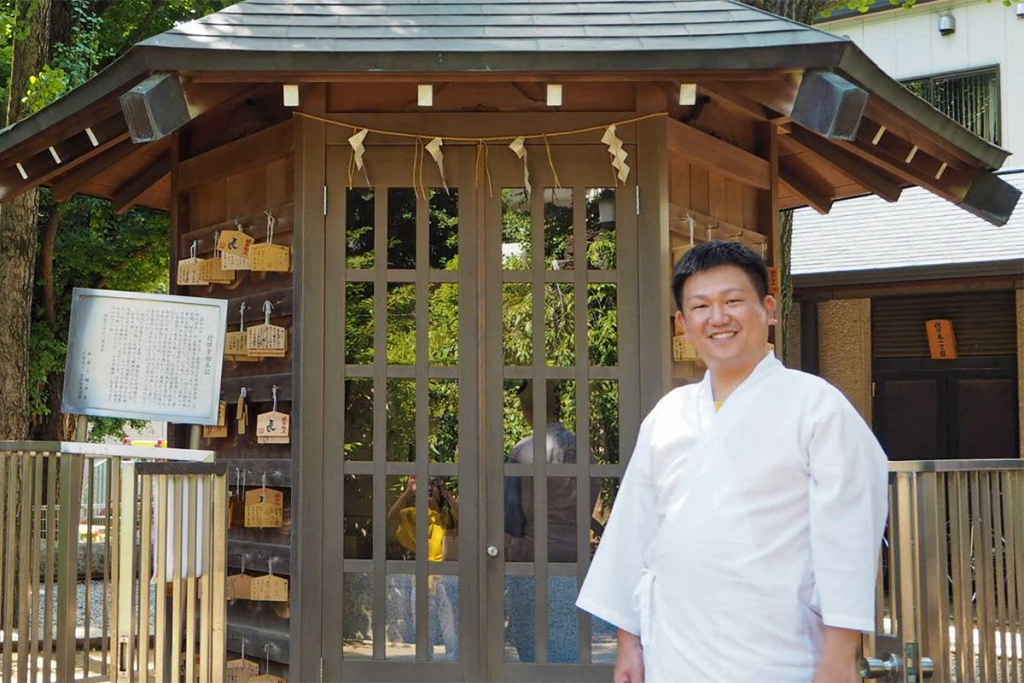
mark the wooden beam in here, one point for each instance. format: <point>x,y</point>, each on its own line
<point>255,150</point>
<point>126,195</point>
<point>735,100</point>
<point>73,152</point>
<point>717,155</point>
<point>65,186</point>
<point>850,165</point>
<point>817,199</point>
<point>483,77</point>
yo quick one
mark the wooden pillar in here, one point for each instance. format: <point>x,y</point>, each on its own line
<point>655,334</point>
<point>308,407</point>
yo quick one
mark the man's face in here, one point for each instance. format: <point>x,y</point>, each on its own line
<point>724,318</point>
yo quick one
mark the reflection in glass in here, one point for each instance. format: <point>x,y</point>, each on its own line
<point>400,625</point>
<point>442,518</point>
<point>518,514</point>
<point>401,420</point>
<point>401,526</point>
<point>359,228</point>
<point>604,421</point>
<point>520,616</point>
<point>601,245</point>
<point>357,616</point>
<point>443,321</point>
<point>563,621</point>
<point>515,425</point>
<point>444,618</point>
<point>560,324</point>
<point>603,641</point>
<point>401,227</point>
<point>517,316</point>
<point>609,488</point>
<point>444,229</point>
<point>401,330</point>
<point>444,420</point>
<point>358,517</point>
<point>603,324</point>
<point>359,419</point>
<point>516,229</point>
<point>359,323</point>
<point>558,241</point>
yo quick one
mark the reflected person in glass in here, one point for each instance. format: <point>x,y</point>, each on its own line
<point>520,529</point>
<point>442,530</point>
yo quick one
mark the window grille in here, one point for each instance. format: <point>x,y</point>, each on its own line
<point>971,99</point>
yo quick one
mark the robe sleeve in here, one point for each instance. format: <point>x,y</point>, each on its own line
<point>848,508</point>
<point>607,592</point>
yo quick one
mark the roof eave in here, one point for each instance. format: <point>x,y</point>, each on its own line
<point>938,271</point>
<point>859,68</point>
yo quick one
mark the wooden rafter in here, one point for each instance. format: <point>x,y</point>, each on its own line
<point>65,186</point>
<point>128,194</point>
<point>73,153</point>
<point>735,100</point>
<point>816,198</point>
<point>717,155</point>
<point>847,163</point>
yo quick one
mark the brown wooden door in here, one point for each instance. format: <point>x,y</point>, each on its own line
<point>940,410</point>
<point>441,305</point>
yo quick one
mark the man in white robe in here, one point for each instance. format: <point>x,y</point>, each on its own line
<point>743,543</point>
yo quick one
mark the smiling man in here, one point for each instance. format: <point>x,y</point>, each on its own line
<point>744,541</point>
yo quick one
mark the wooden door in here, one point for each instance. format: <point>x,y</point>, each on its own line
<point>441,305</point>
<point>561,367</point>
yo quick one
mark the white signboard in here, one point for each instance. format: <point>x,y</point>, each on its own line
<point>144,356</point>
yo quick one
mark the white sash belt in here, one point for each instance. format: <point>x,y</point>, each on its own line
<point>642,597</point>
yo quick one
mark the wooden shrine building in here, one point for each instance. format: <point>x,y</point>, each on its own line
<point>452,283</point>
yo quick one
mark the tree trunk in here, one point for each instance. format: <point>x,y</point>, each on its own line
<point>18,231</point>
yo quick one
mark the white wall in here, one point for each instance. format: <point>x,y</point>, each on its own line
<point>907,44</point>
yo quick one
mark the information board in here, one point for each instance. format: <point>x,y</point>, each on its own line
<point>144,356</point>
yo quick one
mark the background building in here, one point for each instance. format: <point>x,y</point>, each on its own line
<point>871,273</point>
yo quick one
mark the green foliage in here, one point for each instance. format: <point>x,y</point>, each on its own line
<point>44,88</point>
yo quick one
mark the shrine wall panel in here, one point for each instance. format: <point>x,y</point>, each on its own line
<point>223,203</point>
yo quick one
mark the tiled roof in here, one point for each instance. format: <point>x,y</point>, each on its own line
<point>493,26</point>
<point>919,230</point>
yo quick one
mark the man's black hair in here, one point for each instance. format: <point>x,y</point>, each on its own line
<point>720,253</point>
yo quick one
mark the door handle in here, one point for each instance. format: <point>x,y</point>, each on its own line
<point>887,669</point>
<point>492,550</point>
<point>890,668</point>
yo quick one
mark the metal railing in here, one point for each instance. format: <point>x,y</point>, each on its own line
<point>952,579</point>
<point>75,518</point>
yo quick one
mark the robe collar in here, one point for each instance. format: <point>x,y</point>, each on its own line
<point>707,401</point>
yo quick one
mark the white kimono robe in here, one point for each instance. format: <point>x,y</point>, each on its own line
<point>737,535</point>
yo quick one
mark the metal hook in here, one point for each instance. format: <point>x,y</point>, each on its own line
<point>241,316</point>
<point>266,648</point>
<point>195,246</point>
<point>267,308</point>
<point>271,222</point>
<point>270,566</point>
<point>273,392</point>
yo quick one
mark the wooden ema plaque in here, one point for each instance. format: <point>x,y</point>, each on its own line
<point>190,272</point>
<point>236,511</point>
<point>234,262</point>
<point>264,508</point>
<point>212,270</point>
<point>219,430</point>
<point>235,243</point>
<point>941,339</point>
<point>236,348</point>
<point>240,587</point>
<point>774,281</point>
<point>274,258</point>
<point>267,341</point>
<point>268,678</point>
<point>269,588</point>
<point>273,427</point>
<point>242,671</point>
<point>683,350</point>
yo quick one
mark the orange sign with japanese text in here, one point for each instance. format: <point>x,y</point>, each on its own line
<point>941,339</point>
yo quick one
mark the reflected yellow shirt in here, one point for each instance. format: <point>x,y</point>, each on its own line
<point>406,534</point>
<point>719,404</point>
